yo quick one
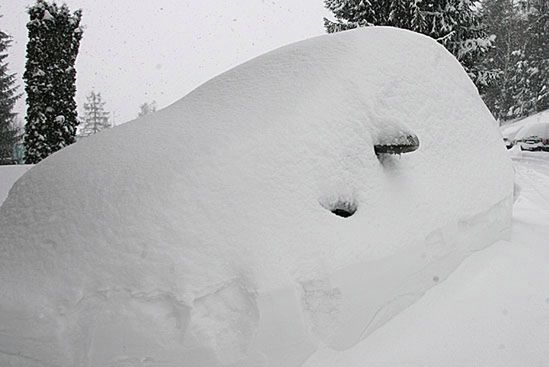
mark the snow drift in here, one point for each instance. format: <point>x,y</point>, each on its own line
<point>203,235</point>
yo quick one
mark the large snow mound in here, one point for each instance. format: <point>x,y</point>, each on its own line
<point>203,235</point>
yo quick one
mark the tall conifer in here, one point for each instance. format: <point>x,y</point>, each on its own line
<point>50,76</point>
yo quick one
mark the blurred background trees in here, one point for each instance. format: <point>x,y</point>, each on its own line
<point>95,117</point>
<point>10,132</point>
<point>146,108</point>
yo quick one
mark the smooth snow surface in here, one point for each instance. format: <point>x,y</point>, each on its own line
<point>203,235</point>
<point>8,176</point>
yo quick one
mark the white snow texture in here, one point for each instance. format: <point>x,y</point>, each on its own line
<point>202,235</point>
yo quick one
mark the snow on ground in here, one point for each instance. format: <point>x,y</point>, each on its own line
<point>203,235</point>
<point>8,176</point>
<point>492,311</point>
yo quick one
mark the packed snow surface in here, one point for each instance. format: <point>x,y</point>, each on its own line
<point>203,235</point>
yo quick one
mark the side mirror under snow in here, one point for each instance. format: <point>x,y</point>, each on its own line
<point>397,144</point>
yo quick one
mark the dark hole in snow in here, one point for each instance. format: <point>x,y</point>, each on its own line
<point>343,206</point>
<point>342,213</point>
<point>398,145</point>
<point>343,209</point>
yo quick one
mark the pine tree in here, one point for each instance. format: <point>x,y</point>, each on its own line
<point>456,24</point>
<point>146,108</point>
<point>501,20</point>
<point>9,133</point>
<point>95,116</point>
<point>530,83</point>
<point>54,39</point>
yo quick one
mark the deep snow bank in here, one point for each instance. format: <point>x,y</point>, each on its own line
<point>203,236</point>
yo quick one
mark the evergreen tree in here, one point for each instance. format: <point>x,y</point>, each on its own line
<point>500,18</point>
<point>146,108</point>
<point>95,116</point>
<point>9,133</point>
<point>456,24</point>
<point>530,83</point>
<point>54,39</point>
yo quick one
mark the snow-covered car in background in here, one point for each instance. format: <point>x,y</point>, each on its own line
<point>531,133</point>
<point>296,202</point>
<point>533,143</point>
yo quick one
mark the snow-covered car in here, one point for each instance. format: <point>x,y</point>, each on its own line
<point>533,133</point>
<point>298,201</point>
<point>533,143</point>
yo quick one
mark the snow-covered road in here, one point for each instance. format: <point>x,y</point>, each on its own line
<point>492,311</point>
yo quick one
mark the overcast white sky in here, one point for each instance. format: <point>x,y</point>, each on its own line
<point>135,51</point>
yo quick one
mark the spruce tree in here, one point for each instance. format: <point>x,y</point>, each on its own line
<point>9,133</point>
<point>530,83</point>
<point>95,116</point>
<point>456,24</point>
<point>502,21</point>
<point>50,75</point>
